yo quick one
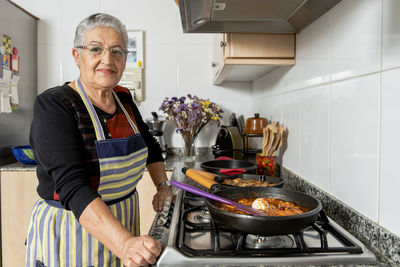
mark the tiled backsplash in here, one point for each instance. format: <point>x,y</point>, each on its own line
<point>340,106</point>
<point>384,243</point>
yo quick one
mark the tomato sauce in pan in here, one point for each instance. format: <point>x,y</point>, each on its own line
<point>275,207</point>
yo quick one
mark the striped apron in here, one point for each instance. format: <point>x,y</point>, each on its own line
<point>55,237</point>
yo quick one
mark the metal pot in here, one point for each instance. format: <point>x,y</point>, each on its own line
<point>156,123</point>
<point>255,125</point>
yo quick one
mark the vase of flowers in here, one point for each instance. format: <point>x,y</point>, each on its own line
<point>190,114</point>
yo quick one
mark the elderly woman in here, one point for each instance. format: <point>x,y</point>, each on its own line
<point>92,147</point>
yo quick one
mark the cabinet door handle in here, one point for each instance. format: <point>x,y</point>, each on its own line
<point>222,44</point>
<point>213,64</point>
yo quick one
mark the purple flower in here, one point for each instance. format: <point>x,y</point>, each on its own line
<point>190,113</point>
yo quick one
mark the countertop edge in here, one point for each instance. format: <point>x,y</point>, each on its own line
<point>378,239</point>
<point>17,166</point>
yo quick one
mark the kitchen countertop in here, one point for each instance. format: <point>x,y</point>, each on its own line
<point>383,243</point>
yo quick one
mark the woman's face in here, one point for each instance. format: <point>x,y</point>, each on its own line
<point>100,62</point>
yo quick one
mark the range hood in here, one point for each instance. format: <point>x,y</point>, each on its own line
<point>250,16</point>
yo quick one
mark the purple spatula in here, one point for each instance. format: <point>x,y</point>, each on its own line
<point>202,193</point>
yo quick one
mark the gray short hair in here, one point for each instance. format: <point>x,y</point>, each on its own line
<point>99,20</point>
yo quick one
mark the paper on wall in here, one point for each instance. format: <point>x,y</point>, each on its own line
<point>5,105</point>
<point>5,91</point>
<point>14,92</point>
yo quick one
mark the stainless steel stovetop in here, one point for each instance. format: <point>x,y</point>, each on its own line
<point>200,247</point>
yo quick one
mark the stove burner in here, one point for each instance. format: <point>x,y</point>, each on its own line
<point>262,242</point>
<point>194,201</point>
<point>199,216</point>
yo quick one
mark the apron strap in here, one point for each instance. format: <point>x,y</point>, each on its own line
<point>133,125</point>
<point>93,115</point>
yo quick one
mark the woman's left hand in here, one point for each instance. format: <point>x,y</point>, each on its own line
<point>163,192</point>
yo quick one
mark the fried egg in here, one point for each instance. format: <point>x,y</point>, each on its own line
<point>260,204</point>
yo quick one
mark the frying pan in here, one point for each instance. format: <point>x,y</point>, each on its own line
<point>268,225</point>
<point>222,166</point>
<point>216,182</point>
<point>265,225</point>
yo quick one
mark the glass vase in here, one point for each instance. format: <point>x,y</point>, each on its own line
<point>189,147</point>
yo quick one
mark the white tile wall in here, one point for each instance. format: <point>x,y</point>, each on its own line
<point>233,95</point>
<point>132,18</point>
<point>390,157</point>
<point>341,106</point>
<point>162,79</point>
<point>356,38</point>
<point>49,67</point>
<point>290,76</point>
<point>354,147</point>
<point>390,34</point>
<point>194,61</point>
<point>315,46</point>
<point>291,104</point>
<point>314,135</point>
<point>159,21</point>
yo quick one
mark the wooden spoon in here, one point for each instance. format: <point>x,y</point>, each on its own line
<point>281,131</point>
<point>265,141</point>
<point>274,130</point>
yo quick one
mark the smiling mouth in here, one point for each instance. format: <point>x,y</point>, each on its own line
<point>106,71</point>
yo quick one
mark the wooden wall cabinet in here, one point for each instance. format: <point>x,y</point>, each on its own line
<point>247,56</point>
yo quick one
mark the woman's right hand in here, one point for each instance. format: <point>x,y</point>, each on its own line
<point>140,251</point>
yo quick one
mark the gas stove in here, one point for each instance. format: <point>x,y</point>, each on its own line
<point>191,238</point>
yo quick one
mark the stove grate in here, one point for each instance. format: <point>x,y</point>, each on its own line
<point>239,249</point>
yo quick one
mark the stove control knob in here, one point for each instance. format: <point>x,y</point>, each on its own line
<point>167,223</point>
<point>164,214</point>
<point>167,205</point>
<point>161,220</point>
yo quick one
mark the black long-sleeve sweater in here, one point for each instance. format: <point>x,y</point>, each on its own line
<point>62,137</point>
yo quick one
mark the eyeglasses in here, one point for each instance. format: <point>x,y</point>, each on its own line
<point>98,51</point>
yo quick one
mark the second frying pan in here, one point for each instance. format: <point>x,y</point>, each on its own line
<point>228,166</point>
<point>216,182</point>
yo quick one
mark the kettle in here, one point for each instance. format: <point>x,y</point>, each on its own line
<point>255,125</point>
<point>156,126</point>
<point>228,143</point>
<point>156,123</point>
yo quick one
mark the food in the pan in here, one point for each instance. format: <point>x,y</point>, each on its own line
<point>260,204</point>
<point>271,206</point>
<point>246,183</point>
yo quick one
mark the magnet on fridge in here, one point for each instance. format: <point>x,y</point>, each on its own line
<point>14,66</point>
<point>6,44</point>
<point>1,66</point>
<point>5,61</point>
